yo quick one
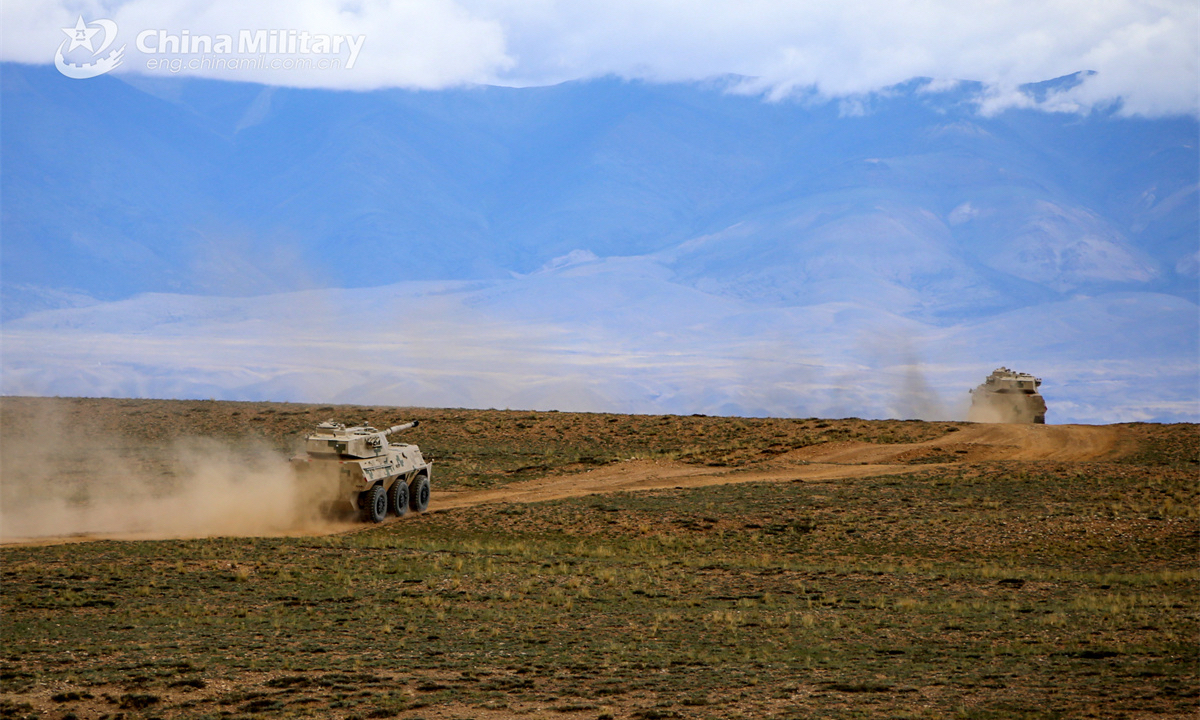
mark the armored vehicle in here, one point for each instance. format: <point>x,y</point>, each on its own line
<point>1008,396</point>
<point>367,474</point>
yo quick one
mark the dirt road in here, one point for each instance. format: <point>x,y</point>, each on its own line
<point>830,461</point>
<point>823,462</point>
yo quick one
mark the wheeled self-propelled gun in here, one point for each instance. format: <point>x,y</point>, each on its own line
<point>375,477</point>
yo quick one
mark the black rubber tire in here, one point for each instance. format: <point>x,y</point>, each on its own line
<point>418,494</point>
<point>398,498</point>
<point>374,504</point>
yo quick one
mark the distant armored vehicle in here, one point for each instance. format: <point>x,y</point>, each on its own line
<point>374,477</point>
<point>1008,396</point>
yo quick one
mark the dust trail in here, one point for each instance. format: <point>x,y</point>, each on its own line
<point>896,365</point>
<point>56,483</point>
<point>985,413</point>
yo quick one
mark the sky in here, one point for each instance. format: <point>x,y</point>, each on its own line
<point>1144,53</point>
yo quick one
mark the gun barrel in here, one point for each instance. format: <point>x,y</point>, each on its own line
<point>405,426</point>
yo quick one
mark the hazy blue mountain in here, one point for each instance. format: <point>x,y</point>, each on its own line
<point>613,335</point>
<point>215,187</point>
<point>602,245</point>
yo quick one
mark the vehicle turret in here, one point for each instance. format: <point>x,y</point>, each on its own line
<point>359,441</point>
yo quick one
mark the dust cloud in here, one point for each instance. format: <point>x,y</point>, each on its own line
<point>56,484</point>
<point>898,382</point>
<point>987,413</point>
<point>999,409</point>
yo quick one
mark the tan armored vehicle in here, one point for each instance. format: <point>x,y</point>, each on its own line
<point>1008,396</point>
<point>372,476</point>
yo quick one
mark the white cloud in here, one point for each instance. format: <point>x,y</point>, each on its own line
<point>1144,52</point>
<point>415,44</point>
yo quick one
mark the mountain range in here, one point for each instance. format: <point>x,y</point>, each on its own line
<point>599,245</point>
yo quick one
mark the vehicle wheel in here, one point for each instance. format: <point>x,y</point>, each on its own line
<point>399,498</point>
<point>419,493</point>
<point>374,504</point>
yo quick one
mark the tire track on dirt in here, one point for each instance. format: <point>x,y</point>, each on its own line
<point>830,461</point>
<point>817,463</point>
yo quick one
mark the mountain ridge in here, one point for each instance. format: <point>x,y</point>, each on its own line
<point>216,187</point>
<point>602,245</point>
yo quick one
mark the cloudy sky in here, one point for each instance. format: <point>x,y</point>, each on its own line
<point>1144,52</point>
